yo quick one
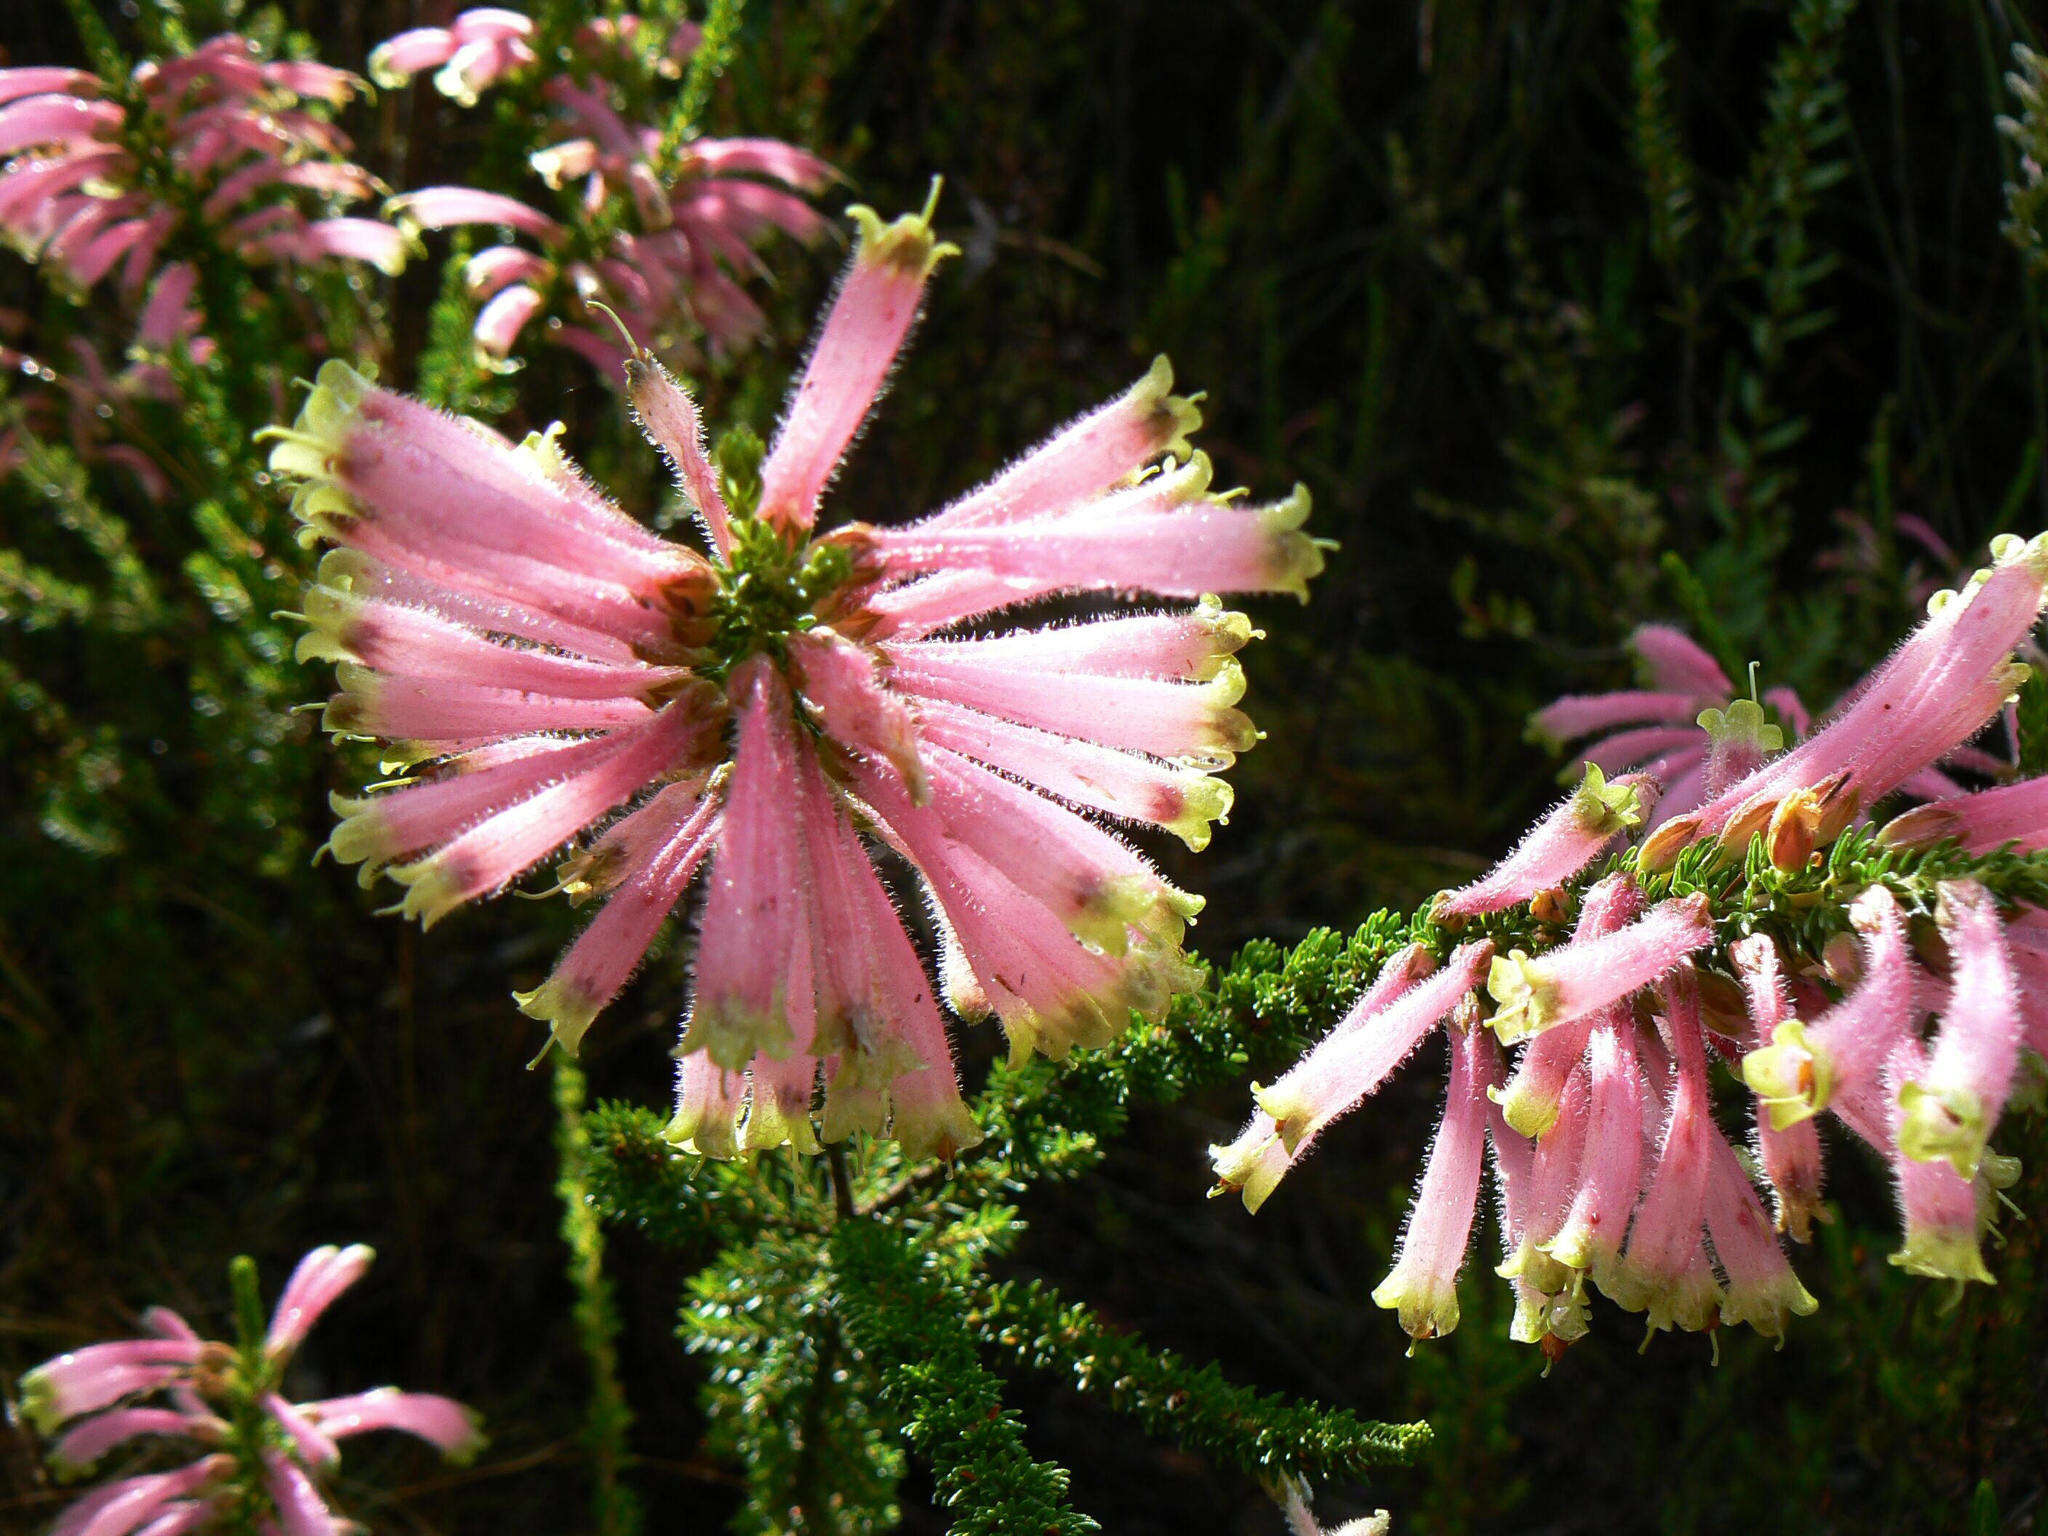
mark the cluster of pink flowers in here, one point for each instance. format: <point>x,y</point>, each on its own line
<point>774,711</point>
<point>85,161</point>
<point>1608,1161</point>
<point>689,216</point>
<point>261,1456</point>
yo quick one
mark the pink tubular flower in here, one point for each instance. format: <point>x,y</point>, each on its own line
<point>2015,814</point>
<point>1760,1289</point>
<point>1423,1287</point>
<point>1950,1110</point>
<point>688,217</point>
<point>1255,1163</point>
<point>1358,1057</point>
<point>85,1399</point>
<point>1941,1210</point>
<point>1588,822</point>
<point>1805,1067</point>
<point>1571,981</point>
<point>85,183</point>
<point>1590,1236</point>
<point>1790,1156</point>
<point>562,674</point>
<point>1548,1299</point>
<point>1662,1270</point>
<point>1530,1101</point>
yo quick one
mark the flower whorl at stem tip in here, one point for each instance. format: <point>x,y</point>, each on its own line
<point>556,676</point>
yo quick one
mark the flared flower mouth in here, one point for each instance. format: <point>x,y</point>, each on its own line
<point>781,710</point>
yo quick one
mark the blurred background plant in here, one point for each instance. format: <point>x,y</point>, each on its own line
<point>1571,315</point>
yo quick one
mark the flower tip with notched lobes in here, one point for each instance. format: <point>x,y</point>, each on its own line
<point>1295,557</point>
<point>1947,1124</point>
<point>1202,800</point>
<point>906,242</point>
<point>567,1009</point>
<point>942,1130</point>
<point>1943,1253</point>
<point>305,449</point>
<point>1948,1109</point>
<point>1252,1165</point>
<point>433,889</point>
<point>1525,1000</point>
<point>1167,419</point>
<point>1790,1076</point>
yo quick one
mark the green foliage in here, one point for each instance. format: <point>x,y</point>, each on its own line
<point>1194,1406</point>
<point>900,1311</point>
<point>800,1412</point>
<point>716,46</point>
<point>614,1509</point>
<point>2026,188</point>
<point>1668,177</point>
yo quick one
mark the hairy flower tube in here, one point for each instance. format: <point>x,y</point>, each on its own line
<point>219,148</point>
<point>775,715</point>
<point>1882,982</point>
<point>258,1459</point>
<point>657,231</point>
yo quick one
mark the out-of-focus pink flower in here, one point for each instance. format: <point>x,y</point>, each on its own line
<point>94,185</point>
<point>689,216</point>
<point>1654,728</point>
<point>87,1401</point>
<point>760,715</point>
<point>472,53</point>
<point>84,404</point>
